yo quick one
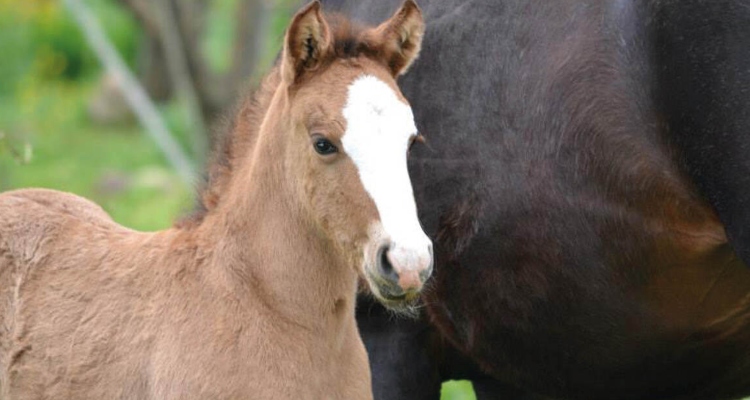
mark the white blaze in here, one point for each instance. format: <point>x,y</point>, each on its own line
<point>379,127</point>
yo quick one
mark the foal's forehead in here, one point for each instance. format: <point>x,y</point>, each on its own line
<point>373,76</point>
<point>363,98</point>
<point>334,82</point>
<point>372,99</point>
<point>375,114</point>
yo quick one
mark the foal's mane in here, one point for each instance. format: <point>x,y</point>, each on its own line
<point>238,134</point>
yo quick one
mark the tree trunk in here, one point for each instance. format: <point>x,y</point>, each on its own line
<point>215,92</point>
<point>180,76</point>
<point>151,68</point>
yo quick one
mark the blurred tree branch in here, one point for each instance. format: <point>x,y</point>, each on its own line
<point>21,156</point>
<point>132,90</point>
<point>253,20</point>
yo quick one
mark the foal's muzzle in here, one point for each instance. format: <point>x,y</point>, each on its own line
<point>403,271</point>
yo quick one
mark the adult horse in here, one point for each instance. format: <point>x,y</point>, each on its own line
<point>254,296</point>
<point>586,181</point>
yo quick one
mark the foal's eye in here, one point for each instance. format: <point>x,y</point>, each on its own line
<point>324,147</point>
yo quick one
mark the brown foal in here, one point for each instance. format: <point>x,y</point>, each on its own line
<point>253,297</point>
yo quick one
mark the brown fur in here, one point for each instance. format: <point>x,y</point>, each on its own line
<point>251,298</point>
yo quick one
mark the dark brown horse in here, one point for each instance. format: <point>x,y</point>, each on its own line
<point>254,296</point>
<point>586,181</point>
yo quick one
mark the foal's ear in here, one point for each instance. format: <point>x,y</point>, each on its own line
<point>306,43</point>
<point>401,37</point>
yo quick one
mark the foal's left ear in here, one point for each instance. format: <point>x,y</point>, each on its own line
<point>401,37</point>
<point>306,43</point>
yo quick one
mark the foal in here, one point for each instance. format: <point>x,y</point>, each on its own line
<point>253,297</point>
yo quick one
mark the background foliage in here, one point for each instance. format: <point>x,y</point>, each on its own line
<point>49,76</point>
<point>51,86</point>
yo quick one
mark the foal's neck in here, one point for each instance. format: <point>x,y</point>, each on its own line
<point>272,255</point>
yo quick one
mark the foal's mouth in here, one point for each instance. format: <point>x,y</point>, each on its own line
<point>390,294</point>
<point>395,294</point>
<point>405,304</point>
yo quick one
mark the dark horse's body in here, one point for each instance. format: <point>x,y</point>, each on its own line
<point>586,180</point>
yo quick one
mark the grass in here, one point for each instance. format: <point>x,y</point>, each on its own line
<point>457,390</point>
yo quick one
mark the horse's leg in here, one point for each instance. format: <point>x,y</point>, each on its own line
<point>402,354</point>
<point>409,361</point>
<point>456,366</point>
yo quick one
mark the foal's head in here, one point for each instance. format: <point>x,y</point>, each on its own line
<point>347,130</point>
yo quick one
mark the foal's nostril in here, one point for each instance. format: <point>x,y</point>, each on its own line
<point>386,268</point>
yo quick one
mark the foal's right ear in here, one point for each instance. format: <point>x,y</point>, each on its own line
<point>306,44</point>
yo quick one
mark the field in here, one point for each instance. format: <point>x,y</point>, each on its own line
<point>48,138</point>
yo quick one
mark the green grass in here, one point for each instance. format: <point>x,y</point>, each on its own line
<point>457,390</point>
